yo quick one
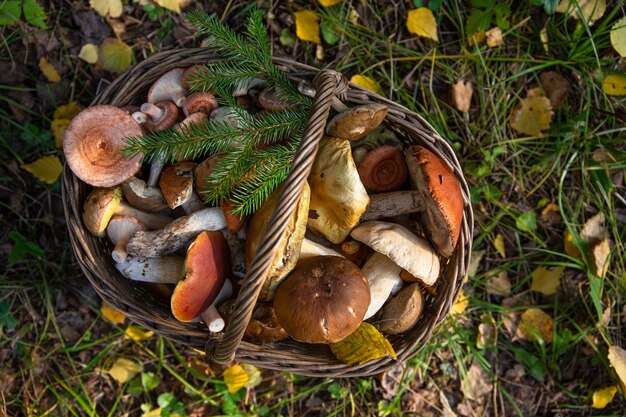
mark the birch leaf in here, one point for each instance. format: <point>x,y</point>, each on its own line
<point>112,7</point>
<point>535,321</point>
<point>47,168</point>
<point>114,55</point>
<point>617,358</point>
<point>591,10</point>
<point>89,53</point>
<point>460,305</point>
<point>498,244</point>
<point>366,82</point>
<point>67,111</point>
<point>235,378</point>
<point>614,85</point>
<point>329,3</point>
<point>422,22</point>
<point>137,333</point>
<point>49,71</point>
<point>602,397</point>
<point>124,370</point>
<point>532,115</point>
<point>618,36</point>
<point>307,28</point>
<point>173,5</point>
<point>112,315</point>
<point>57,127</point>
<point>546,279</point>
<point>365,344</point>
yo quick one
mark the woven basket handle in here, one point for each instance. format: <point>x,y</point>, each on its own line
<point>328,84</point>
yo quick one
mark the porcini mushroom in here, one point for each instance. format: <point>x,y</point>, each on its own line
<point>119,230</point>
<point>323,300</point>
<point>103,203</point>
<point>94,146</point>
<point>383,169</point>
<point>143,197</point>
<point>310,249</point>
<point>383,277</point>
<point>163,270</point>
<point>199,102</point>
<point>356,122</point>
<point>176,234</point>
<point>177,186</point>
<point>160,115</point>
<point>168,87</point>
<point>289,246</point>
<point>442,196</point>
<point>402,311</point>
<point>338,198</point>
<point>406,249</point>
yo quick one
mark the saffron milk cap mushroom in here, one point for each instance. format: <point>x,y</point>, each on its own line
<point>323,300</point>
<point>338,198</point>
<point>199,103</point>
<point>383,169</point>
<point>119,230</point>
<point>442,196</point>
<point>160,115</point>
<point>94,146</point>
<point>403,247</point>
<point>356,122</point>
<point>168,87</point>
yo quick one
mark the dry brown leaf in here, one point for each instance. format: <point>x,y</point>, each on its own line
<point>601,252</point>
<point>557,88</point>
<point>494,37</point>
<point>498,284</point>
<point>546,279</point>
<point>477,256</point>
<point>535,322</point>
<point>461,95</point>
<point>617,358</point>
<point>486,335</point>
<point>477,384</point>
<point>594,229</point>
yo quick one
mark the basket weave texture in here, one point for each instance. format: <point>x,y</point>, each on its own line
<point>137,303</point>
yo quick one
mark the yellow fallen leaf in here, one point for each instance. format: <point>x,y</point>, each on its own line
<point>49,71</point>
<point>156,412</point>
<point>568,245</point>
<point>67,111</point>
<point>57,127</point>
<point>353,16</point>
<point>494,37</point>
<point>235,378</point>
<point>546,279</point>
<point>535,321</point>
<point>602,397</point>
<point>498,244</point>
<point>61,119</point>
<point>112,315</point>
<point>461,95</point>
<point>460,305</point>
<point>618,36</point>
<point>307,28</point>
<point>112,7</point>
<point>615,85</point>
<point>422,22</point>
<point>114,55</point>
<point>47,168</point>
<point>532,115</point>
<point>328,3</point>
<point>549,210</point>
<point>544,38</point>
<point>173,5</point>
<point>137,333</point>
<point>365,344</point>
<point>366,82</point>
<point>617,358</point>
<point>591,10</point>
<point>476,38</point>
<point>123,370</point>
<point>89,53</point>
<point>601,252</point>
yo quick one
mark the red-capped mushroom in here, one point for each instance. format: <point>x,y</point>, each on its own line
<point>383,169</point>
<point>161,115</point>
<point>199,102</point>
<point>168,87</point>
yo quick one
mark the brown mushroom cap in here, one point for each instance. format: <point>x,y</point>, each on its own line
<point>176,183</point>
<point>206,270</point>
<point>442,196</point>
<point>100,205</point>
<point>323,300</point>
<point>401,312</point>
<point>269,101</point>
<point>94,146</point>
<point>383,169</point>
<point>188,73</point>
<point>199,102</point>
<point>161,115</point>
<point>356,122</point>
<point>142,197</point>
<point>202,172</point>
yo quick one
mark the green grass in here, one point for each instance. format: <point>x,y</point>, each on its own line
<point>510,175</point>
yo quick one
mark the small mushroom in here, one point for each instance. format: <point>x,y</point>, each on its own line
<point>163,270</point>
<point>103,203</point>
<point>235,221</point>
<point>143,197</point>
<point>442,196</point>
<point>289,246</point>
<point>246,85</point>
<point>199,103</point>
<point>306,88</point>
<point>406,249</point>
<point>402,311</point>
<point>176,234</point>
<point>383,169</point>
<point>393,204</point>
<point>383,277</point>
<point>323,300</point>
<point>356,122</point>
<point>268,100</point>
<point>226,114</point>
<point>338,198</point>
<point>177,186</point>
<point>310,249</point>
<point>160,115</point>
<point>205,271</point>
<point>119,230</point>
<point>193,119</point>
<point>168,87</point>
<point>94,146</point>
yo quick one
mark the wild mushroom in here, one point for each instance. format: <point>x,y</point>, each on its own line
<point>442,196</point>
<point>356,122</point>
<point>383,169</point>
<point>161,115</point>
<point>177,186</point>
<point>246,85</point>
<point>226,114</point>
<point>264,327</point>
<point>119,230</point>
<point>392,204</point>
<point>211,316</point>
<point>94,146</point>
<point>176,234</point>
<point>323,300</point>
<point>103,203</point>
<point>310,249</point>
<point>189,73</point>
<point>289,246</point>
<point>199,102</point>
<point>402,311</point>
<point>143,197</point>
<point>406,249</point>
<point>338,198</point>
<point>163,270</point>
<point>193,119</point>
<point>308,90</point>
<point>205,271</point>
<point>168,87</point>
<point>268,100</point>
<point>383,277</point>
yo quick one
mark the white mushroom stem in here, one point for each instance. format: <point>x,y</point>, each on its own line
<point>163,270</point>
<point>150,220</point>
<point>310,249</point>
<point>152,111</point>
<point>308,90</point>
<point>211,316</point>
<point>119,253</point>
<point>393,204</point>
<point>140,117</point>
<point>176,234</point>
<point>193,204</point>
<point>156,166</point>
<point>383,276</point>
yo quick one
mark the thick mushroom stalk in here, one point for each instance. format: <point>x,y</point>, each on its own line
<point>211,317</point>
<point>119,230</point>
<point>383,276</point>
<point>161,115</point>
<point>163,270</point>
<point>176,234</point>
<point>103,203</point>
<point>311,249</point>
<point>393,204</point>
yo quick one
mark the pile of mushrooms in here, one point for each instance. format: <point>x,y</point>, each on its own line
<point>374,224</point>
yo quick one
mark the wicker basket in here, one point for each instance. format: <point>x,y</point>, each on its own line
<point>142,307</point>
